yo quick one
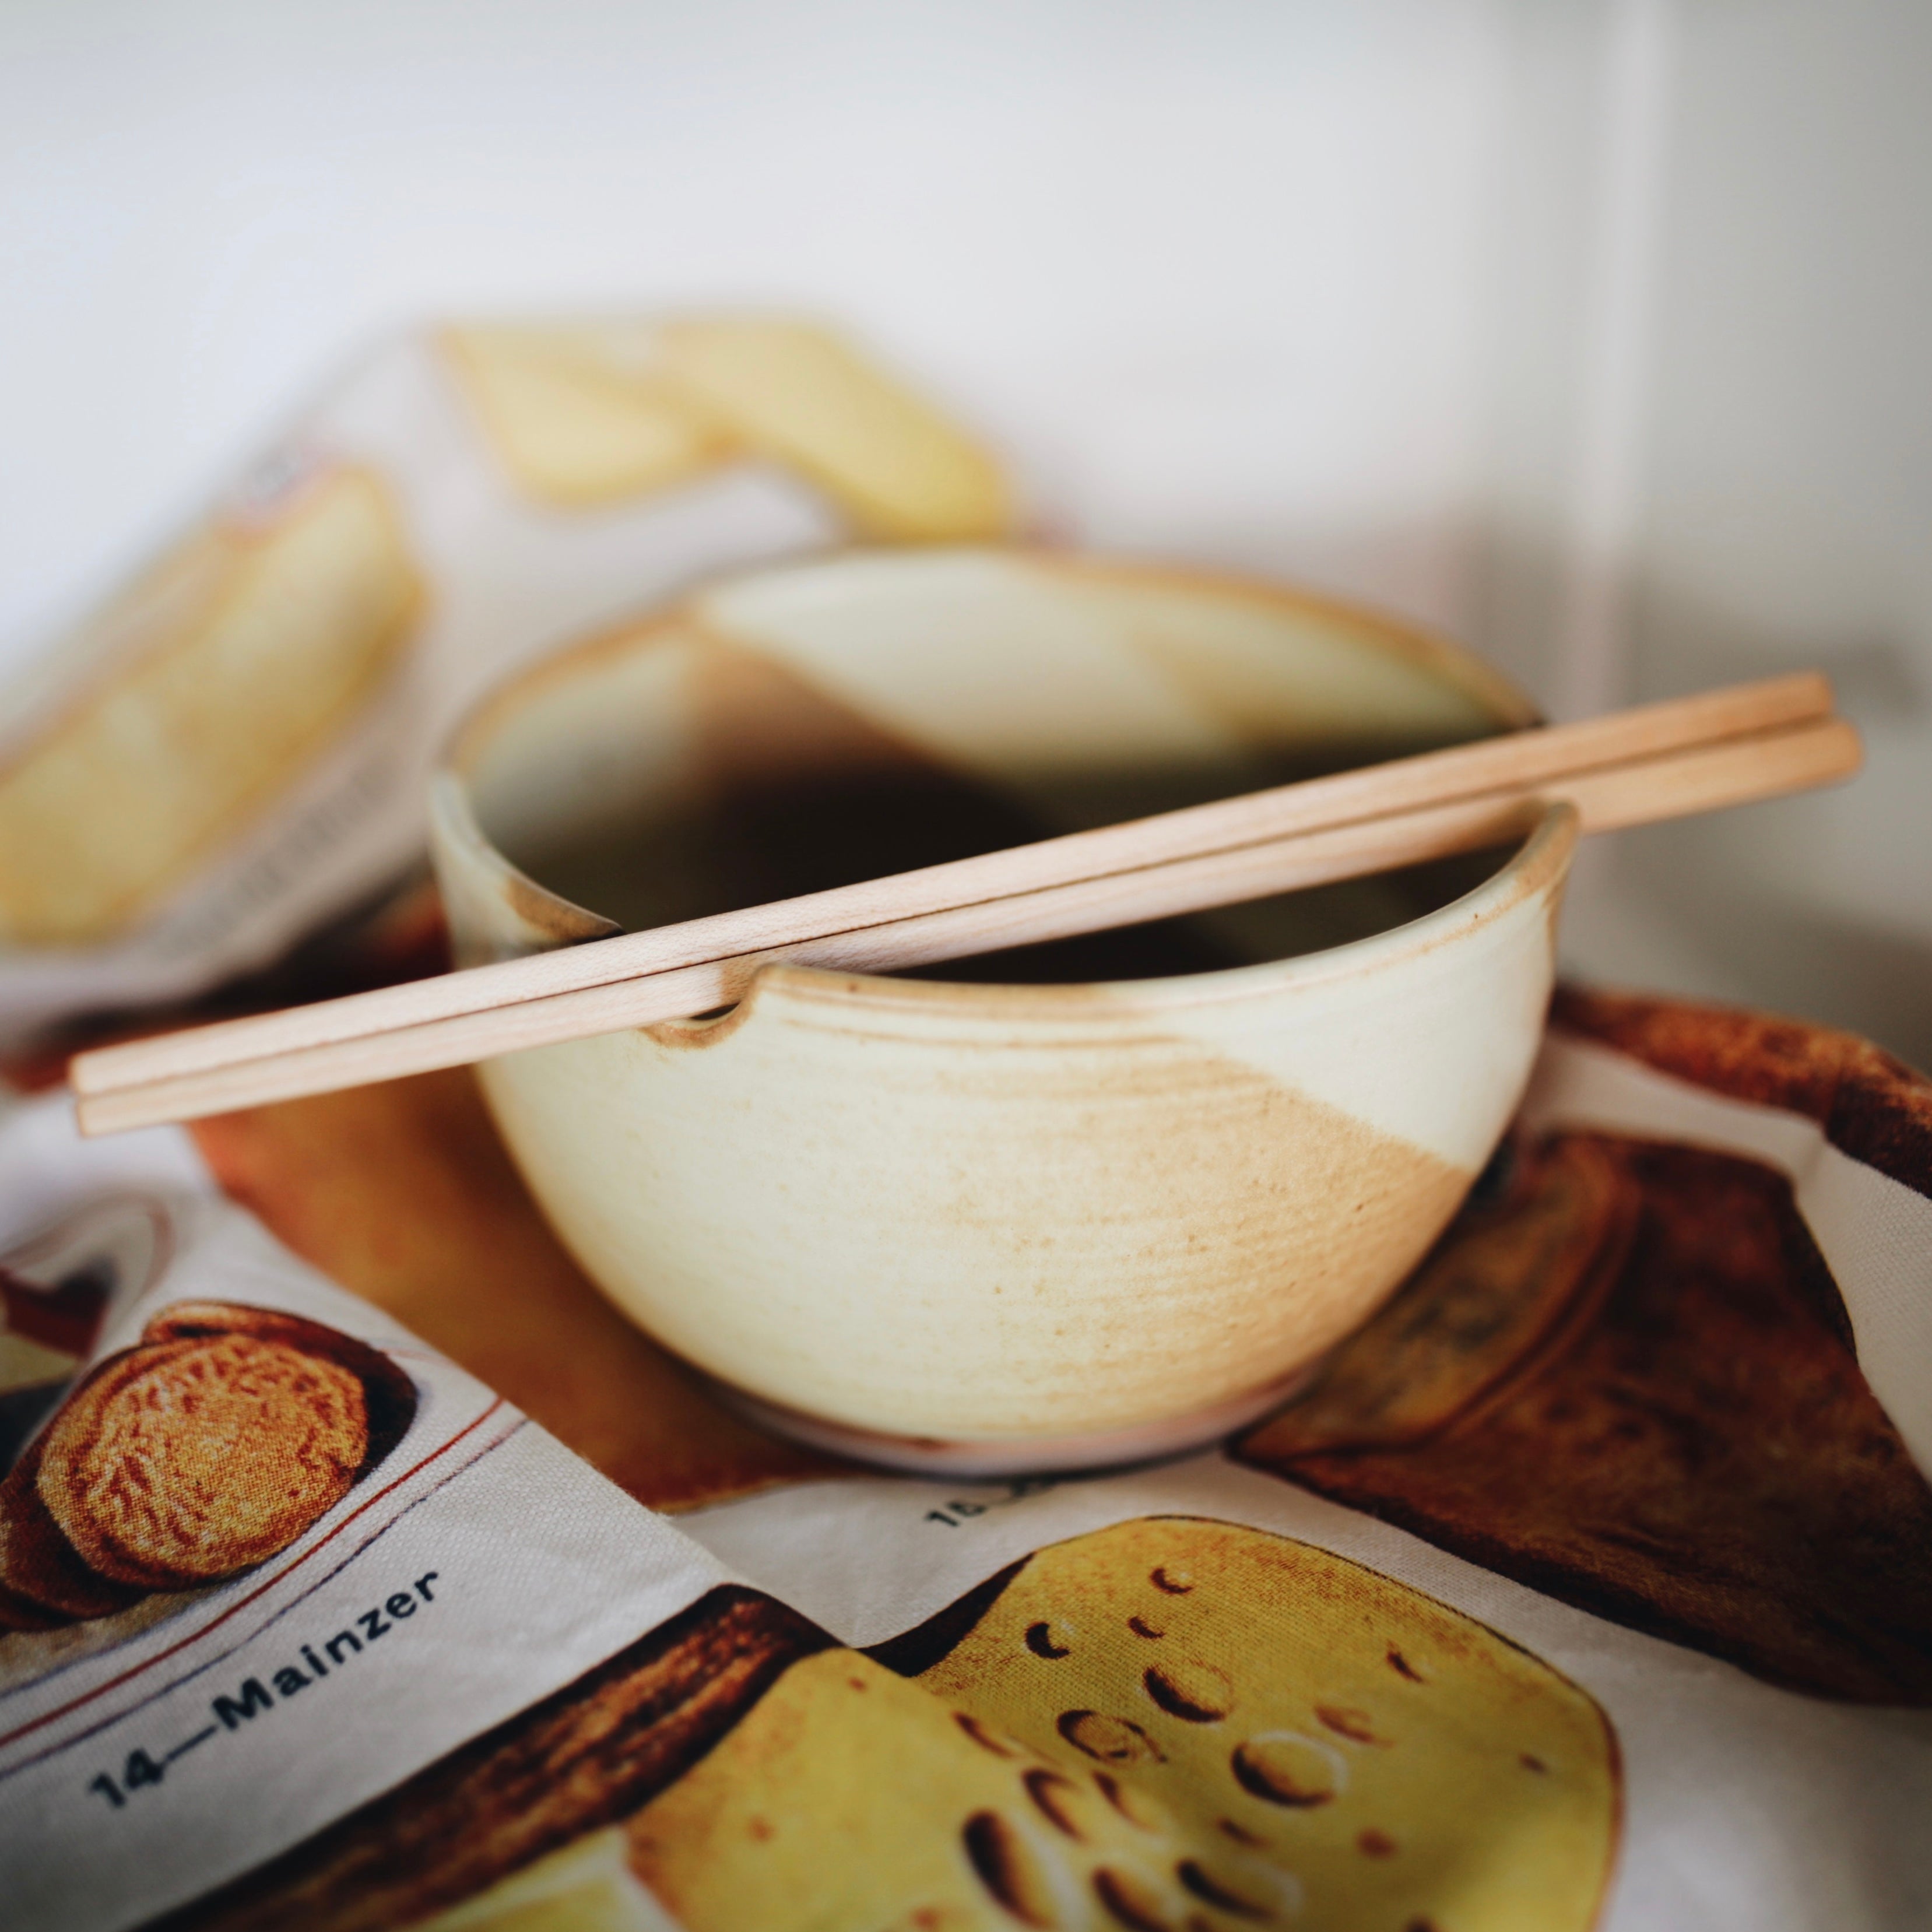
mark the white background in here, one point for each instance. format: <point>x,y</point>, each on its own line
<point>1591,330</point>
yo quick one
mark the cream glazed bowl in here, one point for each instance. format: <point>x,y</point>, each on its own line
<point>1076,1206</point>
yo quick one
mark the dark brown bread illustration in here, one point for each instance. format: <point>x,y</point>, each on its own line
<point>16,1613</point>
<point>63,1315</point>
<point>1629,1382</point>
<point>42,1583</point>
<point>179,1463</point>
<point>585,1757</point>
<point>1871,1106</point>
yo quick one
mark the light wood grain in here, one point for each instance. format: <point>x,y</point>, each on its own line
<point>1699,755</point>
<point>1521,759</point>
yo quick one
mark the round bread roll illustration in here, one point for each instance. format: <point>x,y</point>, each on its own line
<point>44,1583</point>
<point>1169,1724</point>
<point>181,1463</point>
<point>389,1396</point>
<point>224,1435</point>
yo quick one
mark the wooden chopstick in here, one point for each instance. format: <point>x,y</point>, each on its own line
<point>1733,772</point>
<point>1724,747</point>
<point>1520,759</point>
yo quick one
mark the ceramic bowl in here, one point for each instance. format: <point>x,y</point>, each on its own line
<point>948,1222</point>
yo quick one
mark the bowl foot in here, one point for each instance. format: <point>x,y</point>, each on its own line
<point>1002,1456</point>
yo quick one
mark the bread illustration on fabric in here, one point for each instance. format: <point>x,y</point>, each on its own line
<point>1625,1378</point>
<point>223,1435</point>
<point>519,1830</point>
<point>1168,1725</point>
<point>1171,1723</point>
<point>44,1582</point>
<point>403,1194</point>
<point>215,681</point>
<point>46,1329</point>
<point>584,415</point>
<point>580,415</point>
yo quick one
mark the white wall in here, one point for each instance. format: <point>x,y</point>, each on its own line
<point>1766,484</point>
<point>1210,269</point>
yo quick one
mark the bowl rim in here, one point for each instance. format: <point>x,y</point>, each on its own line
<point>1547,839</point>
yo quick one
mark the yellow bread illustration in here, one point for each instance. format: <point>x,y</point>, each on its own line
<point>852,1800</point>
<point>578,416</point>
<point>1170,1724</point>
<point>800,395</point>
<point>586,1887</point>
<point>225,671</point>
<point>586,416</point>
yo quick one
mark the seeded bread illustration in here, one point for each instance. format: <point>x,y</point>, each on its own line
<point>588,415</point>
<point>1170,1726</point>
<point>1167,1724</point>
<point>217,680</point>
<point>221,1437</point>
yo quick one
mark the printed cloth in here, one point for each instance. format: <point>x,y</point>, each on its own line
<point>1590,1584</point>
<point>362,1569</point>
<point>231,754</point>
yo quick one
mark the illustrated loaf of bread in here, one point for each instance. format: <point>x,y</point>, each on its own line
<point>1625,1378</point>
<point>583,415</point>
<point>1170,1725</point>
<point>44,1582</point>
<point>587,415</point>
<point>514,1830</point>
<point>214,682</point>
<point>221,1438</point>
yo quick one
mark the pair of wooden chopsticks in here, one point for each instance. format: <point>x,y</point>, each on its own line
<point>1659,761</point>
